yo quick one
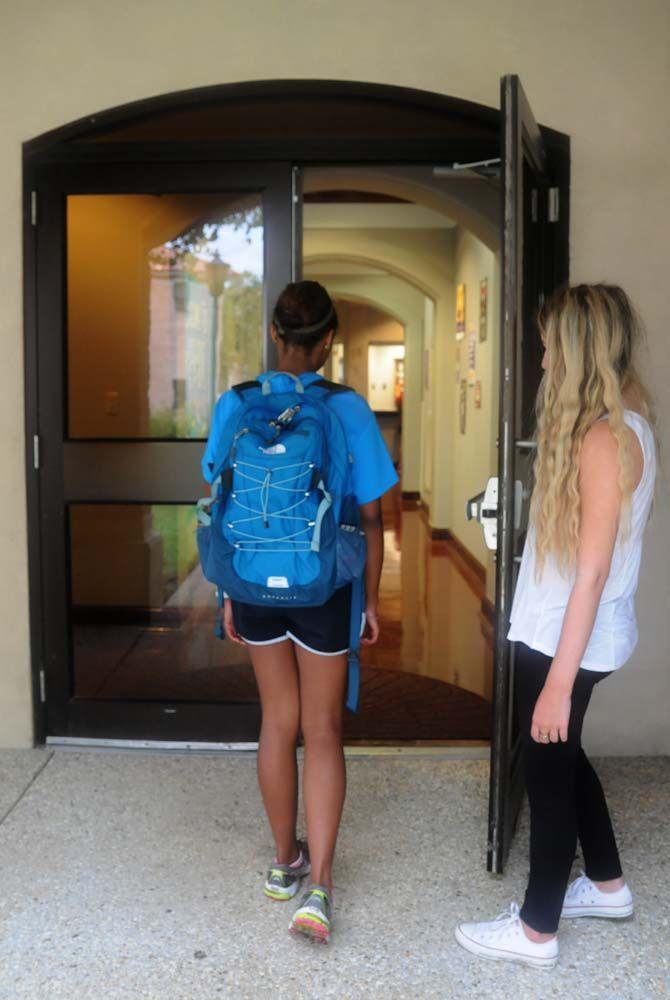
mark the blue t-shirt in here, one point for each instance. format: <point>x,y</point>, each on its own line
<point>372,469</point>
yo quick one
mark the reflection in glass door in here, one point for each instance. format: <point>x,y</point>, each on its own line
<point>168,290</point>
<point>165,308</point>
<point>144,628</point>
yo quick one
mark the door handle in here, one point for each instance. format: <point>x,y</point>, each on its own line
<point>484,508</point>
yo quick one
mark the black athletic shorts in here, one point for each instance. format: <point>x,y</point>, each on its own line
<point>323,629</point>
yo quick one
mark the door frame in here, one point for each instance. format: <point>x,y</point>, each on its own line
<point>463,132</point>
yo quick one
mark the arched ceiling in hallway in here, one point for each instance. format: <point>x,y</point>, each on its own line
<point>365,283</point>
<point>359,266</point>
<point>464,198</point>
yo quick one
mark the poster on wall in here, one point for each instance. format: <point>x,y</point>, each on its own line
<point>483,308</point>
<point>478,395</point>
<point>472,355</point>
<point>463,405</point>
<point>460,311</point>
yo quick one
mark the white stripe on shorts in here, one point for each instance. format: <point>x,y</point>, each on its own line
<point>289,635</point>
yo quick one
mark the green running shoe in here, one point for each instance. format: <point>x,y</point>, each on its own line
<point>283,881</point>
<point>314,915</point>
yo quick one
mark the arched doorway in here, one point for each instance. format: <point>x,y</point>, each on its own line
<point>114,443</point>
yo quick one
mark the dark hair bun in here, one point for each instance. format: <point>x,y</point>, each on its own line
<point>304,313</point>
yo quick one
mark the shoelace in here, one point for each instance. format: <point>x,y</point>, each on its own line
<point>317,898</point>
<point>579,884</point>
<point>505,919</point>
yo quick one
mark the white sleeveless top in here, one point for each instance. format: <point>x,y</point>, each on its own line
<point>539,606</point>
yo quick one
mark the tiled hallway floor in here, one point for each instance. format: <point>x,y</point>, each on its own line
<point>137,877</point>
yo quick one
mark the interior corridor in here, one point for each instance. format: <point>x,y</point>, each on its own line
<point>143,630</point>
<point>427,678</point>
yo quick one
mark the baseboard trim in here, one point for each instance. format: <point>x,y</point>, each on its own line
<point>471,561</point>
<point>471,569</point>
<point>488,609</point>
<point>410,500</point>
<point>441,535</point>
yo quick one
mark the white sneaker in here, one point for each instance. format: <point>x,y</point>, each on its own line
<point>505,939</point>
<point>584,899</point>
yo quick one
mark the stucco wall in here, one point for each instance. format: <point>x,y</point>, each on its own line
<point>597,71</point>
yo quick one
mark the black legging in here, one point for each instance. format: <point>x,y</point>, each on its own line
<point>565,796</point>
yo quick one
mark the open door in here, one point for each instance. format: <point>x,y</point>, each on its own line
<point>535,172</point>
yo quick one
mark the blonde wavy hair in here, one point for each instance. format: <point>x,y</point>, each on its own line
<point>591,334</point>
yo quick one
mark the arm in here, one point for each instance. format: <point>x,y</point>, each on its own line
<point>371,522</point>
<point>600,506</point>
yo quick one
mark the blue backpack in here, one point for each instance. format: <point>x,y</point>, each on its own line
<point>282,526</point>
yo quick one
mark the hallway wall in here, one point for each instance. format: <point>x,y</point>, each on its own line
<point>408,304</point>
<point>64,61</point>
<point>472,454</point>
<point>359,326</point>
<point>424,259</point>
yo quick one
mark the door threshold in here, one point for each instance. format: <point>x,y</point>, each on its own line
<point>446,749</point>
<point>165,746</point>
<point>470,750</point>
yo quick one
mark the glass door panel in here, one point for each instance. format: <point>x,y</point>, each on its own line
<point>157,285</point>
<point>142,613</point>
<point>165,310</point>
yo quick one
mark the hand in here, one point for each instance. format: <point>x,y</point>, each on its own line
<point>229,624</point>
<point>551,715</point>
<point>371,627</point>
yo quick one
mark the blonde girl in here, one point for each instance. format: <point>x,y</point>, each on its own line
<point>573,617</point>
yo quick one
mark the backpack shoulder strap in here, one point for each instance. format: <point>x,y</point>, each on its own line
<point>242,387</point>
<point>324,383</point>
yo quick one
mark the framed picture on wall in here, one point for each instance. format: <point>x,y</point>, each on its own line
<point>472,355</point>
<point>460,311</point>
<point>463,405</point>
<point>483,308</point>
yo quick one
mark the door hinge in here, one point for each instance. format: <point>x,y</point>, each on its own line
<point>43,687</point>
<point>33,208</point>
<point>553,211</point>
<point>36,451</point>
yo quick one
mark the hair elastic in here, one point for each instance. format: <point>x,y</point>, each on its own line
<point>313,328</point>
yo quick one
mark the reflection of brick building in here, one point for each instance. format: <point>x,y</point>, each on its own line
<point>181,322</point>
<point>182,326</point>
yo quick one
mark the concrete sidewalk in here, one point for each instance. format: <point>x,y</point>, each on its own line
<point>138,877</point>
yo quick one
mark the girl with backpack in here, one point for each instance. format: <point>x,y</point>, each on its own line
<point>300,653</point>
<point>573,615</point>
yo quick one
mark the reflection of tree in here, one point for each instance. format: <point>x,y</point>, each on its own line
<point>242,317</point>
<point>215,322</point>
<point>197,240</point>
<point>177,424</point>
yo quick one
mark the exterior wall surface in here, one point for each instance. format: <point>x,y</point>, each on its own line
<point>597,71</point>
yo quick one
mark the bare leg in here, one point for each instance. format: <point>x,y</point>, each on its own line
<point>277,678</point>
<point>322,683</point>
